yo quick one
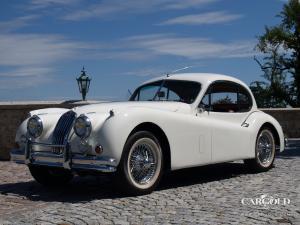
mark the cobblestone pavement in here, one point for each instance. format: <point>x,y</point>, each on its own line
<point>209,194</point>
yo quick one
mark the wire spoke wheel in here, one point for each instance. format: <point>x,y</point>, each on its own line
<point>144,163</point>
<point>265,148</point>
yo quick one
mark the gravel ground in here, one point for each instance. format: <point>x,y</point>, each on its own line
<point>204,195</point>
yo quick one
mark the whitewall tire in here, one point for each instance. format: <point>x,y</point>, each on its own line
<point>141,166</point>
<point>264,151</point>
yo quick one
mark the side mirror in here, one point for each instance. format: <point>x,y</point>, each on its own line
<point>201,108</point>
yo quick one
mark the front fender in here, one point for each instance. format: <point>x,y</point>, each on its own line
<point>112,131</point>
<point>183,136</point>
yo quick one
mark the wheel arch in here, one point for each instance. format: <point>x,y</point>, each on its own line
<point>274,132</point>
<point>160,135</point>
<point>258,120</point>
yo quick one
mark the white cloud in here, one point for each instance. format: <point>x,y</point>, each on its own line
<point>113,8</point>
<point>203,18</point>
<point>29,59</point>
<point>40,4</point>
<point>188,4</point>
<point>25,71</point>
<point>16,23</point>
<point>37,49</point>
<point>191,48</point>
<point>152,46</point>
<point>155,71</point>
<point>124,53</point>
<point>18,83</point>
<point>146,72</point>
<point>20,77</point>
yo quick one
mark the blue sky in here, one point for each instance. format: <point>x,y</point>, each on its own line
<point>45,43</point>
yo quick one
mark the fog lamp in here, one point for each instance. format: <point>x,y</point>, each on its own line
<point>99,149</point>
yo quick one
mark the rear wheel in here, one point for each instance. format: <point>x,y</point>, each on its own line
<point>50,176</point>
<point>141,166</point>
<point>264,151</point>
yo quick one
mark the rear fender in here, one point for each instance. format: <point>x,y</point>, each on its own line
<point>257,120</point>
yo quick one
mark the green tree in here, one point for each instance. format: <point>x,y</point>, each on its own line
<point>281,64</point>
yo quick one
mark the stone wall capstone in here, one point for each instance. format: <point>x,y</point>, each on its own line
<point>11,116</point>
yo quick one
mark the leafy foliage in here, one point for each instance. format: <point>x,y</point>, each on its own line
<point>281,62</point>
<point>225,100</point>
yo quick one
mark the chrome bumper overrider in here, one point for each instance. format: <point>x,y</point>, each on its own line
<point>66,159</point>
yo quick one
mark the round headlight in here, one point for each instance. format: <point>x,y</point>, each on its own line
<point>83,126</point>
<point>35,126</point>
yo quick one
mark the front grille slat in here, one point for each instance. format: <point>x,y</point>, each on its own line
<point>67,127</point>
<point>62,129</point>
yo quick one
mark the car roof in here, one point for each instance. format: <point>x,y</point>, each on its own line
<point>203,78</point>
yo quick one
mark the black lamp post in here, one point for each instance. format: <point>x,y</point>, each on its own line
<point>83,83</point>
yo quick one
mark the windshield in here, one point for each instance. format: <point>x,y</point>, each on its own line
<point>168,90</point>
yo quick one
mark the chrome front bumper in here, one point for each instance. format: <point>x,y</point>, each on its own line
<point>66,159</point>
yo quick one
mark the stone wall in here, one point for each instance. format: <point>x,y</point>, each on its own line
<point>12,114</point>
<point>289,119</point>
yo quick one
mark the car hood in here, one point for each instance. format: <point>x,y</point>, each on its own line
<point>123,106</point>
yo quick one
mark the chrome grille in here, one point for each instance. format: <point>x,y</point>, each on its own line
<point>62,129</point>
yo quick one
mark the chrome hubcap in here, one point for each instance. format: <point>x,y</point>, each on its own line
<point>143,163</point>
<point>265,148</point>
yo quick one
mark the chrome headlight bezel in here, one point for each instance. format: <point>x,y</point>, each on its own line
<point>35,126</point>
<point>82,126</point>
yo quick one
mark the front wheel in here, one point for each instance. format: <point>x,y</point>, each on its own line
<point>264,151</point>
<point>141,166</point>
<point>50,176</point>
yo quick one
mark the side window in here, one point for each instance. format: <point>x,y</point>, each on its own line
<point>244,99</point>
<point>225,96</point>
<point>172,96</point>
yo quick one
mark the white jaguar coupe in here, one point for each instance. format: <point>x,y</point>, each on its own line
<point>169,123</point>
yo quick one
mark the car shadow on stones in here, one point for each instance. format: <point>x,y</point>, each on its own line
<point>203,174</point>
<point>89,188</point>
<point>84,189</point>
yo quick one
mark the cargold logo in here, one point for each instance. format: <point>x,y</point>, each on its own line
<point>266,201</point>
